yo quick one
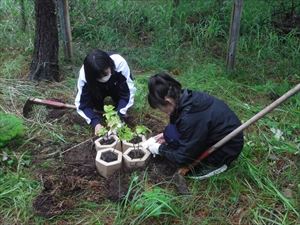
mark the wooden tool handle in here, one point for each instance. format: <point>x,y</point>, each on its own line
<point>52,103</point>
<point>184,170</point>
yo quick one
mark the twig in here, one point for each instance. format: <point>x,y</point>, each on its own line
<point>75,146</point>
<point>3,109</point>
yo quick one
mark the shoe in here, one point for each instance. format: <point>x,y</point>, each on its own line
<point>204,171</point>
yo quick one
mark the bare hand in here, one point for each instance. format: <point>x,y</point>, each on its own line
<point>98,127</point>
<point>160,138</point>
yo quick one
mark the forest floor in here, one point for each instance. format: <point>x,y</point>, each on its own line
<point>42,184</point>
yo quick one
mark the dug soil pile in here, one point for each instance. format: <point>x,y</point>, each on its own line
<point>74,178</point>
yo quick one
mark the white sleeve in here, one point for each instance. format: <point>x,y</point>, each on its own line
<point>122,66</point>
<point>80,84</point>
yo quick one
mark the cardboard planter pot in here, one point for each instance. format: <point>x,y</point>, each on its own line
<point>113,142</point>
<point>135,157</point>
<point>133,143</point>
<point>108,161</point>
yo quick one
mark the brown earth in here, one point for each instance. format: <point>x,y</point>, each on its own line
<point>107,141</point>
<point>136,154</point>
<point>73,177</point>
<point>284,22</point>
<point>109,156</point>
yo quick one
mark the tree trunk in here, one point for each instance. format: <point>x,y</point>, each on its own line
<point>44,65</point>
<point>23,15</point>
<point>234,33</point>
<point>65,28</point>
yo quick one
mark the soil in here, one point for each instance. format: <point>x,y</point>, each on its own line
<point>66,116</point>
<point>109,156</point>
<point>108,141</point>
<point>155,123</point>
<point>72,177</point>
<point>136,140</point>
<point>77,179</point>
<point>284,22</point>
<point>136,154</point>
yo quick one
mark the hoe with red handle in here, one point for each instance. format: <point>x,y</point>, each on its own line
<point>55,104</point>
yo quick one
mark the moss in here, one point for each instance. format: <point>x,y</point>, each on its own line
<point>11,127</point>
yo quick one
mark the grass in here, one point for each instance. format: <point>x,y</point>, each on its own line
<point>190,42</point>
<point>17,189</point>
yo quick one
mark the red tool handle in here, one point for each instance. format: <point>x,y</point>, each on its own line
<point>52,103</point>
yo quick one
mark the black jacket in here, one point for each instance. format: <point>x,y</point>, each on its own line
<point>202,120</point>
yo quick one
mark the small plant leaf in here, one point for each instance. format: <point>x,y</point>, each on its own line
<point>124,133</point>
<point>141,130</point>
<point>102,132</point>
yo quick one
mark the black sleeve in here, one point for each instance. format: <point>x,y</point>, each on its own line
<point>190,145</point>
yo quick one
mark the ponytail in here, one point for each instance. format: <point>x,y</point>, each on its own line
<point>160,86</point>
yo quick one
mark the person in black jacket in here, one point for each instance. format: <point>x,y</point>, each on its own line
<point>103,75</point>
<point>197,121</point>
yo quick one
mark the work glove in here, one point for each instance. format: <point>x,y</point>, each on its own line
<point>153,148</point>
<point>148,142</point>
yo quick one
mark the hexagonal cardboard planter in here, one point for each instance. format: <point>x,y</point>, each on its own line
<point>126,145</point>
<point>116,144</point>
<point>138,162</point>
<point>108,168</point>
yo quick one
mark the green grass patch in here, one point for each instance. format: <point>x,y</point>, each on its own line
<point>17,190</point>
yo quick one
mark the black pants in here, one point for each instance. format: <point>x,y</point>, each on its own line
<point>227,153</point>
<point>223,155</point>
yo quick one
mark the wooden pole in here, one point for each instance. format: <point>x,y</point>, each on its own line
<point>64,18</point>
<point>234,33</point>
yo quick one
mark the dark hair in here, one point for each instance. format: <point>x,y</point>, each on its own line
<point>160,86</point>
<point>95,63</point>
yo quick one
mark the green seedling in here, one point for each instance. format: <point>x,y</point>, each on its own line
<point>111,116</point>
<point>141,130</point>
<point>102,132</point>
<point>112,120</point>
<point>127,134</point>
<point>109,111</point>
<point>124,133</point>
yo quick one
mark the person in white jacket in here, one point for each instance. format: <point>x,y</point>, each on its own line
<point>102,75</point>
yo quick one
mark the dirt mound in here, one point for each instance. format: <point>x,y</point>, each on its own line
<point>74,176</point>
<point>77,178</point>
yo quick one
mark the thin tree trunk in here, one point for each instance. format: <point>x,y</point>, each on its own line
<point>65,28</point>
<point>234,33</point>
<point>44,64</point>
<point>23,15</point>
